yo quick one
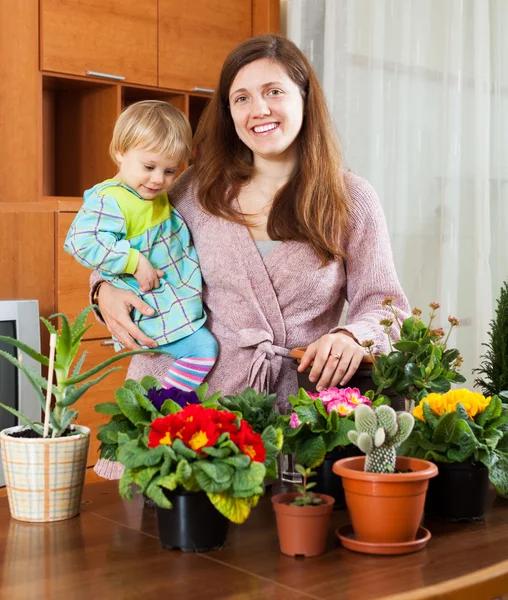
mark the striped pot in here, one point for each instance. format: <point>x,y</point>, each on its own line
<point>44,476</point>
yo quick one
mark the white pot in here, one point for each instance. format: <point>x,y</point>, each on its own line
<point>44,476</point>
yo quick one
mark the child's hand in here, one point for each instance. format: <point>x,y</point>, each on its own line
<point>146,275</point>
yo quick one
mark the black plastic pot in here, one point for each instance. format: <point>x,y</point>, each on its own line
<point>327,482</point>
<point>362,380</point>
<point>458,493</point>
<point>193,524</point>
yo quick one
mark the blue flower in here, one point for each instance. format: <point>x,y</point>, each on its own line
<point>158,396</point>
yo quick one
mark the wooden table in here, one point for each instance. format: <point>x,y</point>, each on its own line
<point>112,551</point>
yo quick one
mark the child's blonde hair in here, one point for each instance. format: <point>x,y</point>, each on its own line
<point>155,126</point>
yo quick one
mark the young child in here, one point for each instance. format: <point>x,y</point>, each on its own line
<point>128,230</point>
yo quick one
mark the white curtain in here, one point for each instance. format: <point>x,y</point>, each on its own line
<point>418,90</point>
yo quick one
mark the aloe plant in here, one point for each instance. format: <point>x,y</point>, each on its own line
<point>66,390</point>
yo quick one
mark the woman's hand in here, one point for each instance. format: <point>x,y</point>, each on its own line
<point>115,306</point>
<point>336,358</point>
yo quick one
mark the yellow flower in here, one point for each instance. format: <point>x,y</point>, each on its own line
<point>473,402</point>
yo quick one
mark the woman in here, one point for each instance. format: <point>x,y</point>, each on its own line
<point>284,236</point>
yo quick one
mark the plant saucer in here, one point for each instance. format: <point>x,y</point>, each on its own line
<point>347,538</point>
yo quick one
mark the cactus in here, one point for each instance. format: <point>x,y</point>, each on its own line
<point>378,433</point>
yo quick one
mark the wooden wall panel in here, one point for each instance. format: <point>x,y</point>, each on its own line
<point>19,100</point>
<point>265,16</point>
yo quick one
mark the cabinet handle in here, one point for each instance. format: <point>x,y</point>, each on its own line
<point>206,90</point>
<point>105,75</point>
<point>107,342</point>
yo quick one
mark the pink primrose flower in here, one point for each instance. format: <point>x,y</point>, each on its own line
<point>341,405</point>
<point>294,421</point>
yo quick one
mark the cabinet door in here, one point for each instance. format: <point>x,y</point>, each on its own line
<point>195,37</point>
<point>115,37</point>
<point>97,352</point>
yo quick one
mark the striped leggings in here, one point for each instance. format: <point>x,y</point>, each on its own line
<point>194,356</point>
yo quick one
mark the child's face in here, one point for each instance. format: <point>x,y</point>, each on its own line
<point>147,173</point>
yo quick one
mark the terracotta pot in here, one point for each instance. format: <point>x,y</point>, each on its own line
<point>385,507</point>
<point>302,529</point>
<point>326,481</point>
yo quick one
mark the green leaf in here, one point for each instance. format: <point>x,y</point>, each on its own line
<point>239,461</point>
<point>110,361</point>
<point>236,510</point>
<point>155,493</point>
<point>444,428</point>
<point>70,397</point>
<point>213,477</point>
<point>429,416</point>
<point>34,426</point>
<point>80,321</point>
<point>440,385</point>
<point>412,371</point>
<point>169,407</point>
<point>408,326</point>
<point>311,452</point>
<point>129,406</point>
<point>405,346</point>
<point>180,448</point>
<point>183,470</point>
<point>340,437</point>
<point>149,381</point>
<point>44,360</point>
<point>108,408</point>
<point>67,419</point>
<point>201,392</point>
<point>498,475</point>
<point>142,477</point>
<point>49,326</point>
<point>216,452</point>
<point>79,364</point>
<point>308,414</point>
<point>63,341</point>
<point>125,485</point>
<point>251,477</point>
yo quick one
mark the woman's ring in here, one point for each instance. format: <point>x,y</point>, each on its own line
<point>337,355</point>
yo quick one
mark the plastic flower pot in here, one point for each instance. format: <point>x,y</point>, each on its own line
<point>362,379</point>
<point>302,529</point>
<point>385,507</point>
<point>458,493</point>
<point>44,476</point>
<point>193,524</point>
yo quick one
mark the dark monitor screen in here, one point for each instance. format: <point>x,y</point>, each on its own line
<point>8,377</point>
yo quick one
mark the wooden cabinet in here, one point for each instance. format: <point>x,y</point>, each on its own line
<point>195,37</point>
<point>113,37</point>
<point>97,352</point>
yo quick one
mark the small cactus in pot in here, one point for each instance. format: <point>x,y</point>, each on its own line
<point>378,433</point>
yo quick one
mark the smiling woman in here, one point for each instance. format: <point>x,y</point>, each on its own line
<point>268,167</point>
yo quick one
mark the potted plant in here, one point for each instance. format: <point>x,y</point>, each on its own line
<point>302,518</point>
<point>465,434</point>
<point>492,376</point>
<point>48,487</point>
<point>419,362</point>
<point>255,408</point>
<point>316,431</point>
<point>138,404</point>
<point>385,495</point>
<point>202,466</point>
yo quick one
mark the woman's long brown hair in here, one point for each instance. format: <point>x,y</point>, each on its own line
<point>312,206</point>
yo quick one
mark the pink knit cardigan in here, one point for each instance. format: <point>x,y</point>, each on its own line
<point>259,308</point>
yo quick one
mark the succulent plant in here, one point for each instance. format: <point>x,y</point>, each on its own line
<point>378,433</point>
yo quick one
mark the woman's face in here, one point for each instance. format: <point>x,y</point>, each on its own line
<point>267,109</point>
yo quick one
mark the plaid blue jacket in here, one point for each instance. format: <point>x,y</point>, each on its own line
<point>113,225</point>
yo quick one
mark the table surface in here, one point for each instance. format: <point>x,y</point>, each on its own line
<point>112,550</point>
